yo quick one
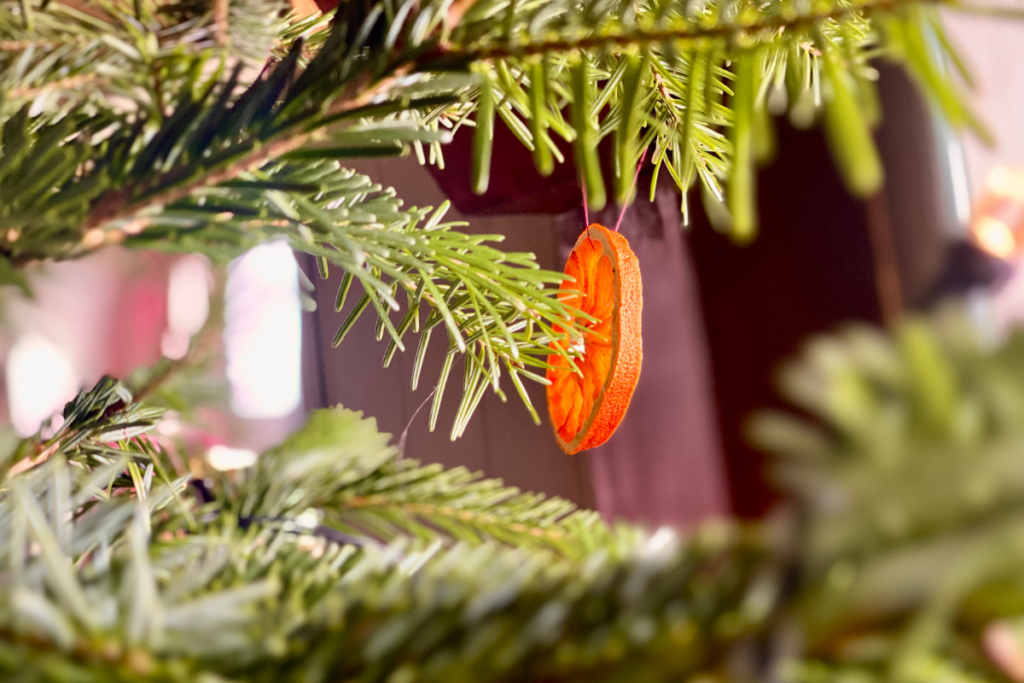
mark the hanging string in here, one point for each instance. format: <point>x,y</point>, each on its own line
<point>622,212</point>
<point>636,176</point>
<point>586,209</point>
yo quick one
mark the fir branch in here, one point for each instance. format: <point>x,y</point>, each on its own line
<point>380,72</point>
<point>679,36</point>
<point>261,601</point>
<point>71,82</point>
<point>22,45</point>
<point>256,591</point>
<point>106,412</point>
<point>345,220</point>
<point>904,470</point>
<point>813,61</point>
<point>363,490</point>
<point>699,110</point>
<point>120,204</point>
<point>885,412</point>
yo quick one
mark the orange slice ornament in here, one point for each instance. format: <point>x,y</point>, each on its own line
<point>587,407</point>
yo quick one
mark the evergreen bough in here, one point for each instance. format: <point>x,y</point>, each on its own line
<point>333,558</point>
<point>211,127</point>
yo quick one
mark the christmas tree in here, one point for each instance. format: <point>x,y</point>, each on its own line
<point>212,127</point>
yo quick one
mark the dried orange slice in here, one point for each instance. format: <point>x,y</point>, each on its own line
<point>586,408</point>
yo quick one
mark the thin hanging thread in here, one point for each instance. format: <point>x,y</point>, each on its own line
<point>622,212</point>
<point>632,188</point>
<point>586,209</point>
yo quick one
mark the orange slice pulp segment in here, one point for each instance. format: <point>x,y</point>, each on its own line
<point>587,407</point>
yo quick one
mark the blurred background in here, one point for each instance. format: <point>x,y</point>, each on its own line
<point>718,318</point>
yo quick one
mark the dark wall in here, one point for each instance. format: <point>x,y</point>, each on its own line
<point>809,269</point>
<point>819,260</point>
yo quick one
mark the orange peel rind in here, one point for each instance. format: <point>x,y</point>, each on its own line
<point>587,406</point>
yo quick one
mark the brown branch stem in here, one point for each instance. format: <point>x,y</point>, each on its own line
<point>119,205</point>
<point>204,345</point>
<point>21,45</point>
<point>59,84</point>
<point>124,203</point>
<point>221,10</point>
<point>671,35</point>
<point>461,514</point>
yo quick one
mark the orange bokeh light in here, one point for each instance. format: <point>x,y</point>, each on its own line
<point>997,225</point>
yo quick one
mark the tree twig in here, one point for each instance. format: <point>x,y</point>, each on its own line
<point>203,345</point>
<point>119,204</point>
<point>503,50</point>
<point>220,22</point>
<point>59,84</point>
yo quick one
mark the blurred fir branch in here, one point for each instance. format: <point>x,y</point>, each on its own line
<point>894,411</point>
<point>332,558</point>
<point>69,57</point>
<point>909,486</point>
<point>115,570</point>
